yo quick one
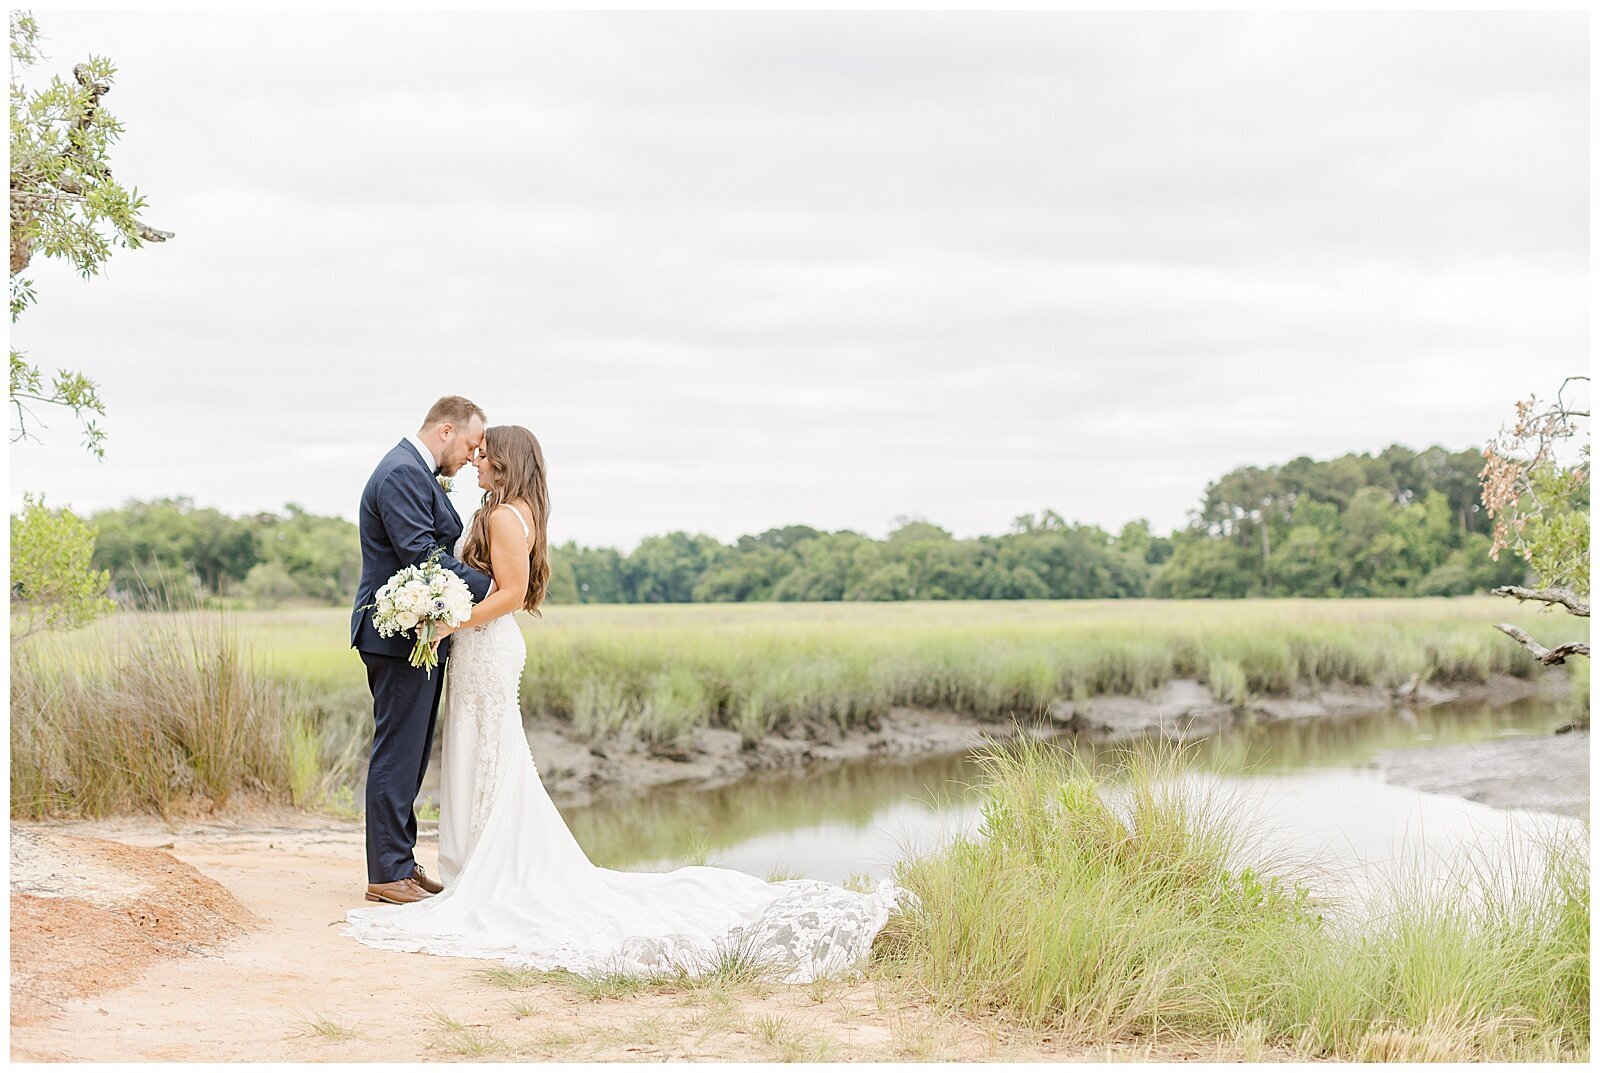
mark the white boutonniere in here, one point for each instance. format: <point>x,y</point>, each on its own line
<point>447,483</point>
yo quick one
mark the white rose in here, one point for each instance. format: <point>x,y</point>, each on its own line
<point>406,620</point>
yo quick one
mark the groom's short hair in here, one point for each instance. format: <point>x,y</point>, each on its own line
<point>454,409</point>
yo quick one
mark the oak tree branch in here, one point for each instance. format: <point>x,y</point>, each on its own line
<point>1565,597</point>
<point>1547,656</point>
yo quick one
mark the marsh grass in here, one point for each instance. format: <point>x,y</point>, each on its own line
<point>1227,680</point>
<point>675,703</point>
<point>474,1043</point>
<point>660,673</point>
<point>698,854</point>
<point>717,1020</point>
<point>513,979</point>
<point>558,1039</point>
<point>751,667</point>
<point>789,1042</point>
<point>304,747</point>
<point>735,967</point>
<point>327,1028</point>
<point>825,988</point>
<point>712,997</point>
<point>915,1038</point>
<point>1104,904</point>
<point>650,1030</point>
<point>468,1041</point>
<point>609,985</point>
<point>169,717</point>
<point>1492,966</point>
<point>339,801</point>
<point>148,710</point>
<point>445,1021</point>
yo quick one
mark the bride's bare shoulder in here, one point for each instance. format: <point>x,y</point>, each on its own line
<point>511,521</point>
<point>524,510</point>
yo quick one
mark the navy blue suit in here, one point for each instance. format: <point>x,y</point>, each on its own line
<point>405,516</point>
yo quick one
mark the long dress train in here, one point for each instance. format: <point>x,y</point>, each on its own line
<point>519,889</point>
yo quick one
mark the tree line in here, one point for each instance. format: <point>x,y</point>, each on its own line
<point>1399,523</point>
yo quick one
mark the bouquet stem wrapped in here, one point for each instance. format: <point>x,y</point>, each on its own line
<point>423,654</point>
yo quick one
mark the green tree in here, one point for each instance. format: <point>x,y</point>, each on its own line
<point>563,580</point>
<point>664,569</point>
<point>168,552</point>
<point>269,585</point>
<point>1535,482</point>
<point>1357,525</point>
<point>1202,566</point>
<point>322,555</point>
<point>781,539</point>
<point>891,581</point>
<point>826,566</point>
<point>748,572</point>
<point>932,564</point>
<point>53,586</point>
<point>154,549</point>
<point>596,572</point>
<point>64,204</point>
<point>1136,539</point>
<point>1307,564</point>
<point>1469,569</point>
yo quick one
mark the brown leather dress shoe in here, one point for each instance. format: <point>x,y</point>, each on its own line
<point>399,892</point>
<point>432,886</point>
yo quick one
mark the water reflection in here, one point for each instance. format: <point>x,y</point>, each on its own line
<point>1355,833</point>
<point>1306,779</point>
<point>1352,741</point>
<point>786,820</point>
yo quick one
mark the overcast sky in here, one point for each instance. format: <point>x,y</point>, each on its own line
<point>747,270</point>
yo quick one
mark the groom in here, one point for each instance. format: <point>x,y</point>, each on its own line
<point>405,518</point>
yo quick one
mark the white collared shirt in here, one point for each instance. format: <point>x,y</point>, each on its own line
<point>422,449</point>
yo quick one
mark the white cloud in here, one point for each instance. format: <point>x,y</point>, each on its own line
<point>746,270</point>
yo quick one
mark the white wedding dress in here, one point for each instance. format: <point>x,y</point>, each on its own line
<point>519,888</point>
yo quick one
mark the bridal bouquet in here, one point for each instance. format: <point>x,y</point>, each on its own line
<point>419,598</point>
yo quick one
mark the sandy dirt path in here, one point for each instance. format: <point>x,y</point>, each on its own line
<point>289,987</point>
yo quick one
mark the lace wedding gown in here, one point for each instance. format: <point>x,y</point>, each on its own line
<point>519,888</point>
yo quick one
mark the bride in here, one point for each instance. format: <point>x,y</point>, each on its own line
<point>518,887</point>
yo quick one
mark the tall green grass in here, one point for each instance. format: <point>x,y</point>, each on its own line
<point>1103,903</point>
<point>757,668</point>
<point>172,716</point>
<point>660,672</point>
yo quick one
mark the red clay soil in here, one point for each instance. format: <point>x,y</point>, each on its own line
<point>131,906</point>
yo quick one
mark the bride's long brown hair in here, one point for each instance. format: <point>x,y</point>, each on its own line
<point>516,474</point>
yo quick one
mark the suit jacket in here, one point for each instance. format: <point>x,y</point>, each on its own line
<point>405,515</point>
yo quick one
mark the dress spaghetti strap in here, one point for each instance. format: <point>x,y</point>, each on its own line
<point>525,532</point>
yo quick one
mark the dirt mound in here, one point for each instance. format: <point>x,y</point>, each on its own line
<point>89,915</point>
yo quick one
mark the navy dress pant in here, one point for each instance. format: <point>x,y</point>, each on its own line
<point>405,705</point>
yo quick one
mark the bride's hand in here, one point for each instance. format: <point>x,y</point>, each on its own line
<point>440,632</point>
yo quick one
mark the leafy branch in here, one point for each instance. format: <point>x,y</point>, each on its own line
<point>1539,504</point>
<point>64,204</point>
